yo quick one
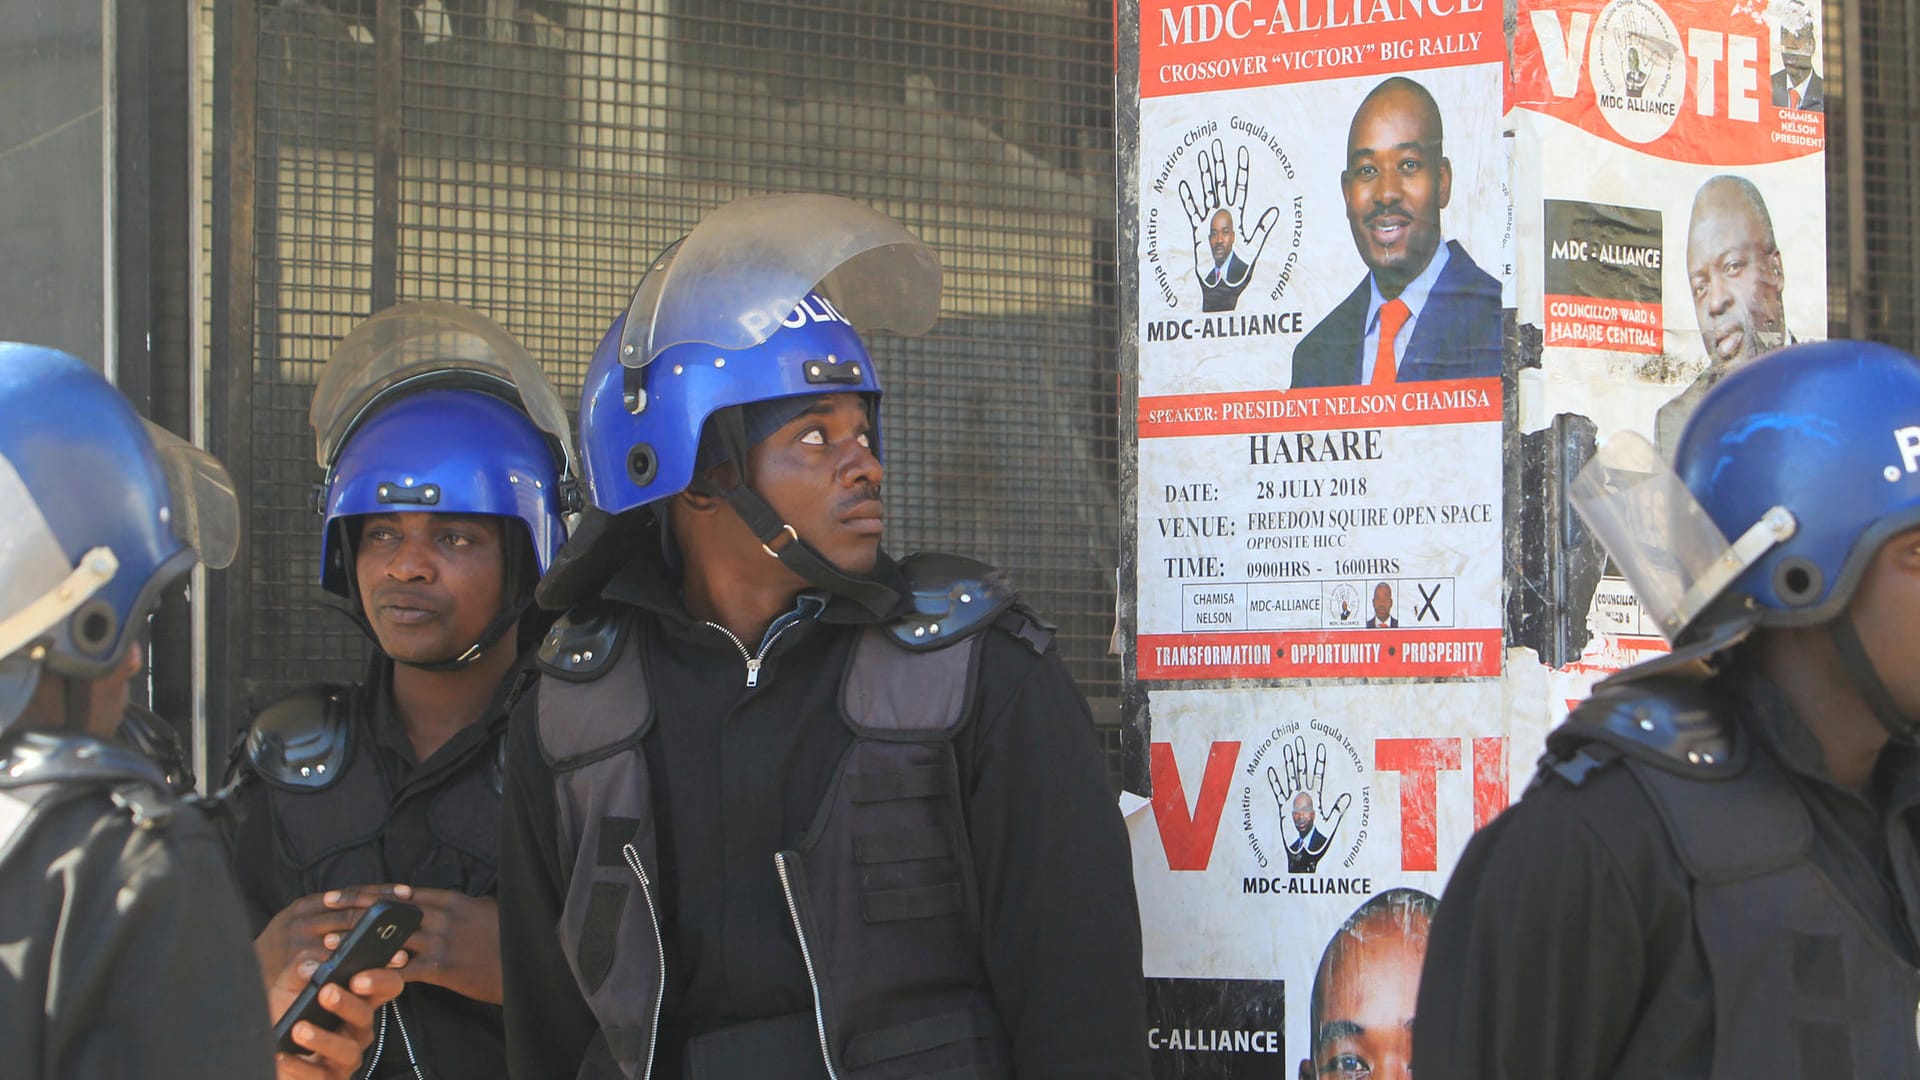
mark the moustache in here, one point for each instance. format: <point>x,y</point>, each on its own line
<point>1393,209</point>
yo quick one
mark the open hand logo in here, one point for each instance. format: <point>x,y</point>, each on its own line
<point>1223,259</point>
<point>1299,792</point>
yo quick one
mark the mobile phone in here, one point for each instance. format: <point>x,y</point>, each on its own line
<point>382,929</point>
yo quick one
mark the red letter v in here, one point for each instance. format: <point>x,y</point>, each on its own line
<point>1188,837</point>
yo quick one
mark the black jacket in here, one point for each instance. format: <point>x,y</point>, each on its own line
<point>438,829</point>
<point>739,773</point>
<point>1569,941</point>
<point>122,947</point>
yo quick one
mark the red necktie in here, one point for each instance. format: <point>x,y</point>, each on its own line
<point>1793,99</point>
<point>1393,315</point>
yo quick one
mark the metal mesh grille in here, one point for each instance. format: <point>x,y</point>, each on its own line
<point>548,150</point>
<point>1873,172</point>
<point>313,280</point>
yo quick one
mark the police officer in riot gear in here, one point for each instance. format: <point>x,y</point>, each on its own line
<point>818,813</point>
<point>447,463</point>
<point>123,949</point>
<point>1715,873</point>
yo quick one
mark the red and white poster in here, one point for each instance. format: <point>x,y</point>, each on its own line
<point>1284,826</point>
<point>1325,250</point>
<point>1669,172</point>
<point>1325,255</point>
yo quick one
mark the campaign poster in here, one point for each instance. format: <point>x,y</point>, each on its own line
<point>1325,252</point>
<point>1299,838</point>
<point>1670,182</point>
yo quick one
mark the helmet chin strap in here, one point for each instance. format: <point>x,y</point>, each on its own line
<point>79,702</point>
<point>500,625</point>
<point>1860,671</point>
<point>780,540</point>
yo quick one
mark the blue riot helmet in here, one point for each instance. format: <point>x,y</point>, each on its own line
<point>1809,459</point>
<point>814,351</point>
<point>431,407</point>
<point>102,511</point>
<point>764,301</point>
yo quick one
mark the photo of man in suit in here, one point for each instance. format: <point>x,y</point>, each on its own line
<point>1215,203</point>
<point>1382,608</point>
<point>1424,310</point>
<point>1306,844</point>
<point>1737,281</point>
<point>1796,85</point>
<point>1220,286</point>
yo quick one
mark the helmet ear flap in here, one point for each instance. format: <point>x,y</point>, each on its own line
<point>1798,581</point>
<point>642,464</point>
<point>93,626</point>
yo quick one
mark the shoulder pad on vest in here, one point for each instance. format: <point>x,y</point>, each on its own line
<point>582,720</point>
<point>301,741</point>
<point>1671,723</point>
<point>1725,828</point>
<point>912,693</point>
<point>136,784</point>
<point>584,642</point>
<point>41,758</point>
<point>953,598</point>
<point>156,740</point>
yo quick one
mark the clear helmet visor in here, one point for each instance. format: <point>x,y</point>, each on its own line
<point>747,265</point>
<point>34,568</point>
<point>427,343</point>
<point>202,508</point>
<point>40,585</point>
<point>1675,557</point>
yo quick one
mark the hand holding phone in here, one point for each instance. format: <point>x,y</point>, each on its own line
<point>370,944</point>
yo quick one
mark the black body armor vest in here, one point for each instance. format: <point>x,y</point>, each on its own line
<point>332,806</point>
<point>1804,985</point>
<point>880,889</point>
<point>331,803</point>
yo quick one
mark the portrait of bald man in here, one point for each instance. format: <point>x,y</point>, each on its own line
<point>1220,286</point>
<point>1737,281</point>
<point>1305,844</point>
<point>1361,1019</point>
<point>1425,310</point>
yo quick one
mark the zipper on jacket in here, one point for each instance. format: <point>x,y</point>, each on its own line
<point>379,1043</point>
<point>780,626</point>
<point>406,1040</point>
<point>391,1008</point>
<point>659,948</point>
<point>806,957</point>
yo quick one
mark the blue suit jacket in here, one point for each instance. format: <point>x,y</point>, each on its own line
<point>1456,337</point>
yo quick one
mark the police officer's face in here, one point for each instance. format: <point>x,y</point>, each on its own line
<point>1886,614</point>
<point>1220,236</point>
<point>430,582</point>
<point>1734,269</point>
<point>1368,984</point>
<point>819,473</point>
<point>109,702</point>
<point>1395,184</point>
